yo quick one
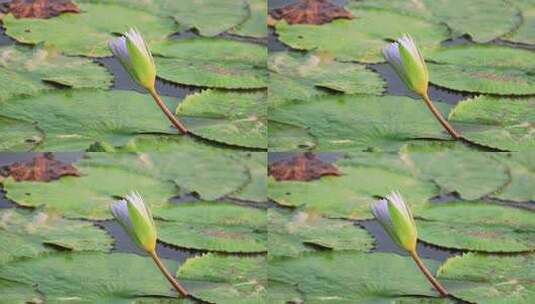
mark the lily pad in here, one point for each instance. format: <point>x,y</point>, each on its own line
<point>362,38</point>
<point>227,117</point>
<point>226,279</point>
<point>360,122</point>
<point>293,233</point>
<point>73,120</point>
<point>484,69</point>
<point>255,24</point>
<point>89,196</point>
<point>18,135</point>
<point>112,278</point>
<point>284,137</point>
<point>521,168</point>
<point>215,226</point>
<point>350,195</point>
<point>470,174</point>
<point>477,226</point>
<point>487,279</point>
<point>512,129</point>
<point>359,277</point>
<point>212,62</point>
<point>525,33</point>
<point>483,20</point>
<point>25,234</point>
<point>298,77</point>
<point>256,188</point>
<point>87,33</point>
<point>18,293</point>
<point>30,71</point>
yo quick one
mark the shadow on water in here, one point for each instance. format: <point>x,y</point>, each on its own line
<point>5,39</point>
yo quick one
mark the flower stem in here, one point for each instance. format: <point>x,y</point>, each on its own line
<point>181,290</point>
<point>440,118</point>
<point>166,111</point>
<point>443,292</point>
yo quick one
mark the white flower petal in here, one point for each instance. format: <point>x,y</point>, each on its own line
<point>119,209</point>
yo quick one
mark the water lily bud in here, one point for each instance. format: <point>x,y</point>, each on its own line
<point>136,58</point>
<point>135,217</point>
<point>408,63</point>
<point>396,218</point>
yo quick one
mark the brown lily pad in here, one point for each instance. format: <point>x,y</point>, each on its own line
<point>302,167</point>
<point>311,12</point>
<point>42,9</point>
<point>42,168</point>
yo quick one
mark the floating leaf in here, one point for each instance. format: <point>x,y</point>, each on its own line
<point>293,233</point>
<point>470,174</point>
<point>350,195</point>
<point>483,20</point>
<point>302,167</point>
<point>18,293</point>
<point>525,33</point>
<point>87,33</point>
<point>212,62</point>
<point>484,69</point>
<point>90,195</point>
<point>521,168</point>
<point>285,137</point>
<point>41,8</point>
<point>256,189</point>
<point>18,135</point>
<point>477,226</point>
<point>227,117</point>
<point>43,168</point>
<point>30,71</point>
<point>226,279</point>
<point>215,226</point>
<point>362,38</point>
<point>487,279</point>
<point>352,277</point>
<point>255,25</point>
<point>112,278</point>
<point>311,12</point>
<point>73,120</point>
<point>25,234</point>
<point>298,77</point>
<point>360,123</point>
<point>501,123</point>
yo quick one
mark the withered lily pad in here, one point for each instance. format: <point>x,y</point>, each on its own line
<point>41,8</point>
<point>301,167</point>
<point>226,279</point>
<point>477,226</point>
<point>228,117</point>
<point>25,234</point>
<point>503,123</point>
<point>215,226</point>
<point>294,233</point>
<point>311,12</point>
<point>43,168</point>
<point>490,279</point>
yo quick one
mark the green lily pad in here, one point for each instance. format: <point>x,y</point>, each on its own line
<point>477,226</point>
<point>156,143</point>
<point>111,278</point>
<point>255,24</point>
<point>25,234</point>
<point>501,123</point>
<point>484,69</point>
<point>525,33</point>
<point>212,62</point>
<point>226,279</point>
<point>18,293</point>
<point>18,135</point>
<point>489,279</point>
<point>27,71</point>
<point>360,122</point>
<point>350,195</point>
<point>362,38</point>
<point>256,189</point>
<point>471,174</point>
<point>298,77</point>
<point>293,233</point>
<point>227,117</point>
<point>215,226</point>
<point>73,120</point>
<point>284,137</point>
<point>352,277</point>
<point>483,20</point>
<point>90,195</point>
<point>88,32</point>
<point>521,168</point>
